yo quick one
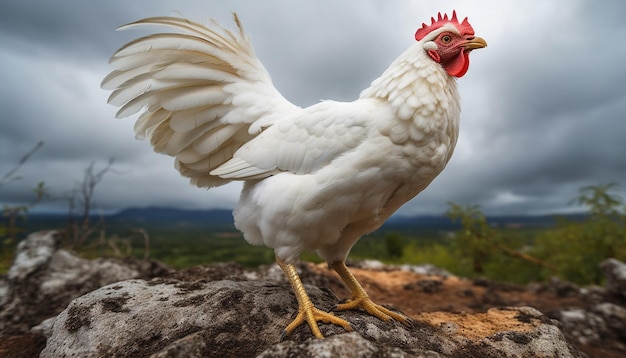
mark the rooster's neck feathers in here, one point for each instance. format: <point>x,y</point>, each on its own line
<point>422,95</point>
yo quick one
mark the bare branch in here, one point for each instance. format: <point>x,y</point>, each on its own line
<point>11,175</point>
<point>88,185</point>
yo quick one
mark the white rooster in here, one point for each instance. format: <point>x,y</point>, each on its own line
<point>316,178</point>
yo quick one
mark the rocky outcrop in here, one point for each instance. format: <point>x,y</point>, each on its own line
<point>170,318</point>
<point>44,279</point>
<point>602,323</point>
<point>113,308</point>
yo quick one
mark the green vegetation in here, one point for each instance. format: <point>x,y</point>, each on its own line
<point>576,248</point>
<point>570,250</point>
<point>184,248</point>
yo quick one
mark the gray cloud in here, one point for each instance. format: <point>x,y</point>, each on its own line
<point>543,105</point>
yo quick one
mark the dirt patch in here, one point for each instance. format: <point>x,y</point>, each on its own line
<point>477,325</point>
<point>408,292</point>
<point>22,346</point>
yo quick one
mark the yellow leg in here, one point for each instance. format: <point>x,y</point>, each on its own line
<point>360,298</point>
<point>306,310</point>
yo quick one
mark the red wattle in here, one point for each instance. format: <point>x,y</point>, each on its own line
<point>459,65</point>
<point>434,55</point>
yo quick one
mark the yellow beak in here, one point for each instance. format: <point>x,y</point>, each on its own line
<point>475,43</point>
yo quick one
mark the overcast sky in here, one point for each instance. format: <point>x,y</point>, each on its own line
<point>544,106</point>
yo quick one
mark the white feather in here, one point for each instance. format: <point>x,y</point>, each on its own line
<point>213,140</point>
<point>192,72</point>
<point>116,78</point>
<point>180,99</point>
<point>162,57</point>
<point>148,121</point>
<point>170,42</point>
<point>134,88</point>
<point>183,121</point>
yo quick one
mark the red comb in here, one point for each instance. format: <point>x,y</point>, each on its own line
<point>464,27</point>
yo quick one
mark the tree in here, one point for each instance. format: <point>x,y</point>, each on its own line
<point>484,244</point>
<point>476,238</point>
<point>576,248</point>
<point>600,202</point>
<point>605,219</point>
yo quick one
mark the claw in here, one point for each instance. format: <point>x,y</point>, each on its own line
<point>312,315</point>
<point>360,298</point>
<point>372,308</point>
<point>307,312</point>
<point>409,323</point>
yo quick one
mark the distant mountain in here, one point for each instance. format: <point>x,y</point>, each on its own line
<point>423,221</point>
<point>170,215</point>
<point>534,221</point>
<point>225,217</point>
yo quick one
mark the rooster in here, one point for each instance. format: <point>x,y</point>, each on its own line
<point>315,178</point>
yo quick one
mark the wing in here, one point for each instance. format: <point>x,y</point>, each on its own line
<point>201,91</point>
<point>307,142</point>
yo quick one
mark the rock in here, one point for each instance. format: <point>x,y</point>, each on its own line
<point>614,317</point>
<point>4,290</point>
<point>593,295</point>
<point>423,269</point>
<point>603,325</point>
<point>426,269</point>
<point>581,325</point>
<point>33,253</point>
<point>173,317</point>
<point>562,288</point>
<point>346,345</point>
<point>44,279</point>
<point>370,265</point>
<point>615,273</point>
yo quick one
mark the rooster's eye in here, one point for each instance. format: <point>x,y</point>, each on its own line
<point>446,39</point>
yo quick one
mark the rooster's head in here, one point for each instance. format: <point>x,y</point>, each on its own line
<point>449,42</point>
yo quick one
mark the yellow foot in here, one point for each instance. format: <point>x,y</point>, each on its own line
<point>306,310</point>
<point>374,309</point>
<point>361,299</point>
<point>312,315</point>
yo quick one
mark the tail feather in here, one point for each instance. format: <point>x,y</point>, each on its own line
<point>201,91</point>
<point>223,38</point>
